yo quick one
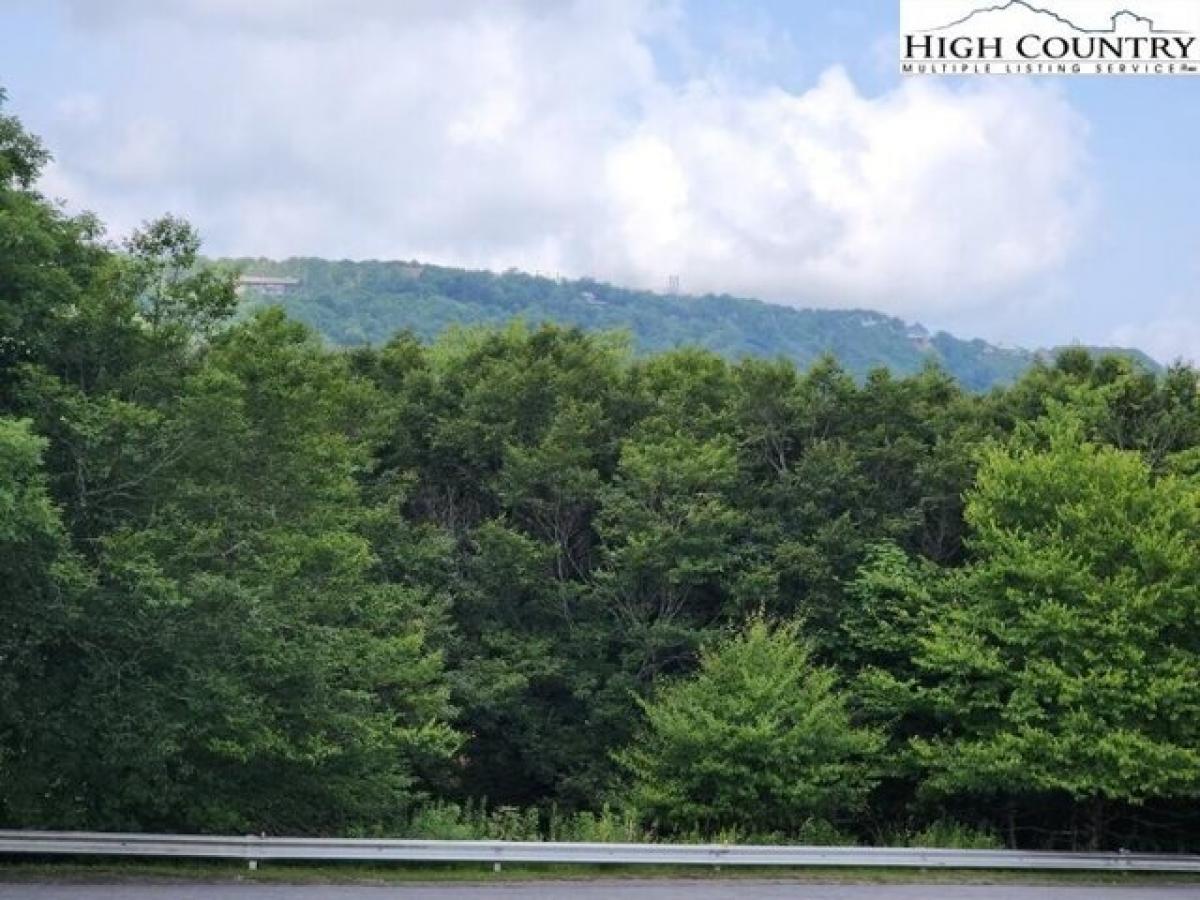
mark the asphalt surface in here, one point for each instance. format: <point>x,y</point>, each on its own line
<point>742,889</point>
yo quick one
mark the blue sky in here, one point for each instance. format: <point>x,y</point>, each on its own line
<point>765,148</point>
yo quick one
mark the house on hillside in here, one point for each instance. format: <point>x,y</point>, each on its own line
<point>270,285</point>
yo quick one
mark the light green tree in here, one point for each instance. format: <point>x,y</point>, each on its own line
<point>1064,658</point>
<point>758,740</point>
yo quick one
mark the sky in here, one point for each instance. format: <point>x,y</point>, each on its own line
<point>765,148</point>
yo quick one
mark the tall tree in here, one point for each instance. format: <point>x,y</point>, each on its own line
<point>1063,658</point>
<point>40,618</point>
<point>48,260</point>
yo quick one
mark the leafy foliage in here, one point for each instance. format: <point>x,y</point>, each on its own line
<point>758,738</point>
<point>250,582</point>
<point>1064,659</point>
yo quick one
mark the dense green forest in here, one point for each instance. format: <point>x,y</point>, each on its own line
<point>357,303</point>
<point>522,581</point>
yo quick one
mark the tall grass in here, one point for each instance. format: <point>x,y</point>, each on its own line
<point>478,822</point>
<point>946,834</point>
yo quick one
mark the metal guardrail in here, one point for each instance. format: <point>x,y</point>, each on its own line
<point>254,849</point>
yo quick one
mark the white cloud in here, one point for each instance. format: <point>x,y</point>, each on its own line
<point>1168,339</point>
<point>540,134</point>
<point>922,198</point>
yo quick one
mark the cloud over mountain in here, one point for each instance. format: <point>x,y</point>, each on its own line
<point>547,136</point>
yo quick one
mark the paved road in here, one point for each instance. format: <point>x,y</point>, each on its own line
<point>742,889</point>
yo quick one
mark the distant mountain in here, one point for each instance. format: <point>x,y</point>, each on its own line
<point>354,303</point>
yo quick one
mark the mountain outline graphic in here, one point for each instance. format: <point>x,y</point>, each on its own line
<point>1112,29</point>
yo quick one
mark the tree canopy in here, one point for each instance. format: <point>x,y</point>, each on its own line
<point>252,582</point>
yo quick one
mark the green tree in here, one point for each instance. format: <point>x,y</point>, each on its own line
<point>300,665</point>
<point>40,583</point>
<point>671,532</point>
<point>1063,658</point>
<point>48,261</point>
<point>503,441</point>
<point>172,290</point>
<point>758,740</point>
<point>242,662</point>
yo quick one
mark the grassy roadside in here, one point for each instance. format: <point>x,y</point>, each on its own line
<point>302,873</point>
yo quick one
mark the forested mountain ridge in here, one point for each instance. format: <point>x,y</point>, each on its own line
<point>354,303</point>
